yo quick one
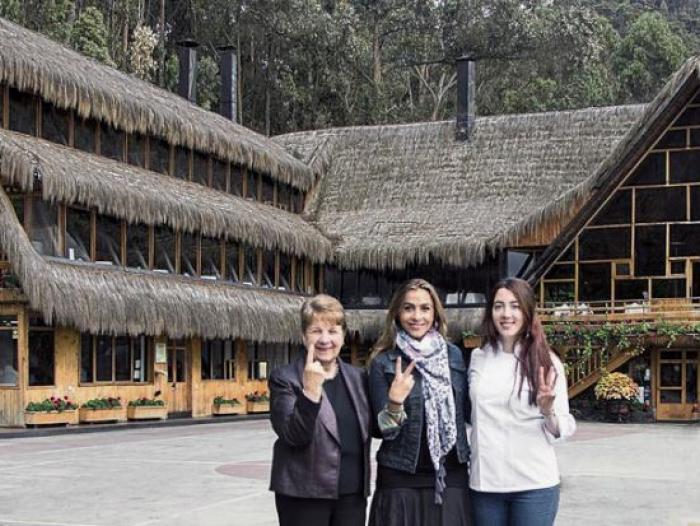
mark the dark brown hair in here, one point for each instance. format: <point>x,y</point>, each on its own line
<point>387,339</point>
<point>534,349</point>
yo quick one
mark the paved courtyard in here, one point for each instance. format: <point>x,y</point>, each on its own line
<point>217,474</point>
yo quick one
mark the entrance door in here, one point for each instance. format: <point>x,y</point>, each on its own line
<point>677,385</point>
<point>178,390</point>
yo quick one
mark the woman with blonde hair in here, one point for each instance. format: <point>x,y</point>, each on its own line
<point>419,399</point>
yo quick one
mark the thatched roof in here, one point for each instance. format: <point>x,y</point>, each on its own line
<point>369,323</point>
<point>117,301</point>
<point>138,195</point>
<point>32,62</point>
<point>658,115</point>
<point>402,194</point>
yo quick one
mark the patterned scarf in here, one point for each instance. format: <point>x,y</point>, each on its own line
<point>431,357</point>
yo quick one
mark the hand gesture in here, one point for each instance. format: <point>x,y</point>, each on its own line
<point>402,384</point>
<point>314,376</point>
<point>545,393</point>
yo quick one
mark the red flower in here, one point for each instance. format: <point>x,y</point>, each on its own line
<point>65,397</point>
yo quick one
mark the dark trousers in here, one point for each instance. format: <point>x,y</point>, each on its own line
<point>346,510</point>
<point>537,507</point>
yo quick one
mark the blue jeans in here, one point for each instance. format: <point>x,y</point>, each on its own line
<point>537,507</point>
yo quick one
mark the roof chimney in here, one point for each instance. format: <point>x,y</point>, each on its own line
<point>187,57</point>
<point>228,65</point>
<point>466,103</point>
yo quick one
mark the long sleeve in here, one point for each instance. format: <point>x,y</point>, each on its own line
<point>563,424</point>
<point>292,414</point>
<point>387,425</point>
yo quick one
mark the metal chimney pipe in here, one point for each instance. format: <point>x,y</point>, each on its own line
<point>228,66</point>
<point>187,81</point>
<point>466,93</point>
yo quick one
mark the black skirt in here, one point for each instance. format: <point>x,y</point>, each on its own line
<point>416,507</point>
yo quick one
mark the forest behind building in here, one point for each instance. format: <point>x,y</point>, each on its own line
<point>307,64</point>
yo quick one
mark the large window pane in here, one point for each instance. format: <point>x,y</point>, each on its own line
<point>182,163</point>
<point>685,167</point>
<point>685,240</point>
<point>78,232</point>
<point>109,240</point>
<point>112,142</point>
<point>604,243</point>
<point>41,357</point>
<point>632,289</point>
<point>141,358</point>
<point>252,184</point>
<point>283,196</point>
<point>87,358</point>
<point>22,112</point>
<point>85,131</point>
<point>655,205</point>
<point>164,241</point>
<point>136,153</point>
<point>618,211</point>
<point>285,271</point>
<point>122,359</point>
<point>44,229</point>
<point>558,292</point>
<point>691,381</point>
<point>268,269</point>
<point>200,169</point>
<point>594,282</point>
<point>8,351</point>
<point>55,123</point>
<point>236,183</point>
<point>188,254</point>
<point>232,261</point>
<point>297,201</point>
<point>137,246</point>
<point>219,175</point>
<point>250,268</point>
<point>268,190</point>
<point>650,251</point>
<point>103,358</point>
<point>211,258</point>
<point>159,160</point>
<point>668,288</point>
<point>651,170</point>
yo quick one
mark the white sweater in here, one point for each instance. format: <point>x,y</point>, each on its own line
<point>511,450</point>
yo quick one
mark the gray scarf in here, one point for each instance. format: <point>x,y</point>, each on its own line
<point>432,362</point>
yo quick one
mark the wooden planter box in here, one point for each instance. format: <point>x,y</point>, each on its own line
<point>258,407</point>
<point>228,409</point>
<point>117,414</point>
<point>43,418</point>
<point>147,412</point>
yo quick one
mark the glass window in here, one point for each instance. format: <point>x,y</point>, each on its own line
<point>41,353</point>
<point>297,201</point>
<point>109,359</point>
<point>251,184</point>
<point>684,166</point>
<point>672,139</point>
<point>518,262</point>
<point>211,258</point>
<point>652,170</point>
<point>654,205</point>
<point>691,381</point>
<point>85,134</point>
<point>136,152</point>
<point>8,351</point>
<point>236,183</point>
<point>632,289</point>
<point>650,251</point>
<point>696,279</point>
<point>2,105</point>
<point>87,359</point>
<point>558,292</point>
<point>164,249</point>
<point>218,360</point>
<point>188,254</point>
<point>268,190</point>
<point>141,358</point>
<point>159,159</point>
<point>268,269</point>
<point>283,196</point>
<point>565,271</point>
<point>109,240</point>
<point>263,358</point>
<point>668,288</point>
<point>22,110</point>
<point>44,228</point>
<point>219,175</point>
<point>685,240</point>
<point>182,162</point>
<point>112,142</point>
<point>200,169</point>
<point>695,203</point>
<point>594,282</point>
<point>78,234</point>
<point>299,276</point>
<point>18,201</point>
<point>618,211</point>
<point>103,358</point>
<point>689,117</point>
<point>285,271</point>
<point>55,123</point>
<point>122,359</point>
<point>694,137</point>
<point>232,261</point>
<point>137,246</point>
<point>250,265</point>
<point>604,243</point>
<point>176,361</point>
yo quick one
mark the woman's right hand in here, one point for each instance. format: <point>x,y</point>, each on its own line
<point>402,384</point>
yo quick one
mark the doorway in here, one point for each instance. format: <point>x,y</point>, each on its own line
<point>677,384</point>
<point>178,391</point>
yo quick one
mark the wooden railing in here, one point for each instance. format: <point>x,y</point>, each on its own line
<point>642,310</point>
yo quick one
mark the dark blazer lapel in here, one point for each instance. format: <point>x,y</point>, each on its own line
<point>353,382</point>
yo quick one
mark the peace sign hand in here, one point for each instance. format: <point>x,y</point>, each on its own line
<point>402,384</point>
<point>314,376</point>
<point>545,392</point>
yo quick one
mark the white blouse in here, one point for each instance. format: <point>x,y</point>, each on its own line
<point>511,450</point>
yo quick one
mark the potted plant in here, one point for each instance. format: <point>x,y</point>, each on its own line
<point>54,410</point>
<point>147,408</point>
<point>617,390</point>
<point>257,402</point>
<point>102,410</point>
<point>227,406</point>
<point>470,340</point>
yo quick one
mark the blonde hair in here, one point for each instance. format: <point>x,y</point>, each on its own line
<point>325,307</point>
<point>388,337</point>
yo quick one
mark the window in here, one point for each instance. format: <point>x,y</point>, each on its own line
<point>684,167</point>
<point>685,240</point>
<point>285,278</point>
<point>690,117</point>
<point>618,211</point>
<point>55,123</point>
<point>115,358</point>
<point>219,176</point>
<point>232,261</point>
<point>84,132</point>
<point>695,203</point>
<point>594,282</point>
<point>211,258</point>
<point>219,360</point>
<point>604,243</point>
<point>268,269</point>
<point>236,183</point>
<point>22,110</point>
<point>136,150</point>
<point>43,232</point>
<point>299,275</point>
<point>672,139</point>
<point>109,241</point>
<point>654,205</point>
<point>263,358</point>
<point>559,292</point>
<point>250,265</point>
<point>78,234</point>
<point>283,197</point>
<point>650,251</point>
<point>268,190</point>
<point>296,201</point>
<point>652,170</point>
<point>188,254</point>
<point>41,352</point>
<point>177,355</point>
<point>632,289</point>
<point>8,351</point>
<point>561,271</point>
<point>251,184</point>
<point>159,160</point>
<point>137,246</point>
<point>519,261</point>
<point>182,163</point>
<point>112,142</point>
<point>668,288</point>
<point>200,169</point>
<point>164,249</point>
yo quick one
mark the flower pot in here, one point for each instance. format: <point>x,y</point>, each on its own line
<point>258,407</point>
<point>617,410</point>
<point>228,409</point>
<point>147,412</point>
<point>115,414</point>
<point>45,418</point>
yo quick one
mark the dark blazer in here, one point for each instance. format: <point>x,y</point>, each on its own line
<point>306,457</point>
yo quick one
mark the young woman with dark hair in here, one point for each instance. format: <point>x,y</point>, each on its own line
<point>519,409</point>
<point>420,403</point>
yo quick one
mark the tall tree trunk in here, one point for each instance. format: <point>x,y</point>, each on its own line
<point>161,45</point>
<point>376,56</point>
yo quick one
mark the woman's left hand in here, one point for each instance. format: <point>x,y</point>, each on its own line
<point>545,392</point>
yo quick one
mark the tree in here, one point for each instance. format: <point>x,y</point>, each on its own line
<point>11,9</point>
<point>89,35</point>
<point>141,61</point>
